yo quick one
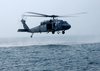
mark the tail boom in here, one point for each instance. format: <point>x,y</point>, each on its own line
<point>22,30</point>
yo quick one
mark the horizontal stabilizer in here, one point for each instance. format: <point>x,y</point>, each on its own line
<point>22,30</point>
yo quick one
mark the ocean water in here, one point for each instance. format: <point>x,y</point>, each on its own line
<point>70,53</point>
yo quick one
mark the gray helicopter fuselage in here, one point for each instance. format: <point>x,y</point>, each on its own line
<point>51,25</point>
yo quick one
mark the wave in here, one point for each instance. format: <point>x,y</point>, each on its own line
<point>27,45</point>
<point>51,41</point>
<point>30,45</point>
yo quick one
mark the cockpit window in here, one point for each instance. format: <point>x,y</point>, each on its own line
<point>65,22</point>
<point>61,21</point>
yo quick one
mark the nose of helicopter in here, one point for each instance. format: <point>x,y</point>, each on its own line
<point>66,26</point>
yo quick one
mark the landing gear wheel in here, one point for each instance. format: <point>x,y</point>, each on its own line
<point>53,32</point>
<point>63,32</point>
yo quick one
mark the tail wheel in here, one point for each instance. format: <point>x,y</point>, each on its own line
<point>31,35</point>
<point>63,32</point>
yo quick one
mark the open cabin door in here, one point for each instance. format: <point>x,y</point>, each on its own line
<point>49,27</point>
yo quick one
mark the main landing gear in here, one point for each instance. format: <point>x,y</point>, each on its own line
<point>53,32</point>
<point>63,32</point>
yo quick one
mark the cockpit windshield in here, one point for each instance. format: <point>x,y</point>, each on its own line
<point>65,22</point>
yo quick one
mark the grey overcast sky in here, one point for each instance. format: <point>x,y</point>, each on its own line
<point>86,24</point>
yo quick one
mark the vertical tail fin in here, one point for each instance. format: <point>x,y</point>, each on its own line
<point>24,24</point>
<point>26,28</point>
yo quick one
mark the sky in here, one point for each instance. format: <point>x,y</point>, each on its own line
<point>85,24</point>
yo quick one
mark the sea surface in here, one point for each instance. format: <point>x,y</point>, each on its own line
<point>52,53</point>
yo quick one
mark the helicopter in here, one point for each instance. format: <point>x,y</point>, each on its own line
<point>53,25</point>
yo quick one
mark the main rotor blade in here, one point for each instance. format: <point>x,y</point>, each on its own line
<point>38,14</point>
<point>67,16</point>
<point>44,15</point>
<point>72,15</point>
<point>78,13</point>
<point>32,16</point>
<point>41,16</point>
